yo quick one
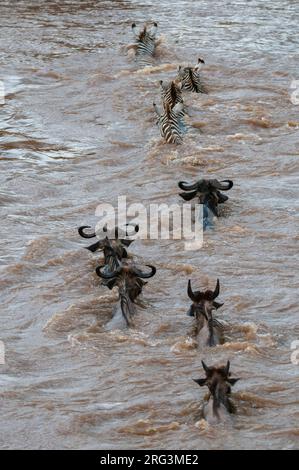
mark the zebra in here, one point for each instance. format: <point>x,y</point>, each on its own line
<point>171,123</point>
<point>190,78</point>
<point>171,93</point>
<point>145,44</point>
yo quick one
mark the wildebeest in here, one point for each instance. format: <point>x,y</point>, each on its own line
<point>218,380</point>
<point>208,192</point>
<point>129,280</point>
<point>206,327</point>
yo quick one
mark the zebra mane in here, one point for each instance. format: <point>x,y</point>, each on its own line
<point>173,91</point>
<point>142,34</point>
<point>190,73</point>
<point>167,109</point>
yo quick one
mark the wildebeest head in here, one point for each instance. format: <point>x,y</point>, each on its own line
<point>110,241</point>
<point>203,304</point>
<point>129,280</point>
<point>219,382</point>
<point>208,192</point>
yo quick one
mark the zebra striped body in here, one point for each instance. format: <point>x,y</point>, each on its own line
<point>145,45</point>
<point>190,78</point>
<point>171,123</point>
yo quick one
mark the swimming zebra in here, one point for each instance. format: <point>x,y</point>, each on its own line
<point>171,123</point>
<point>190,78</point>
<point>171,93</point>
<point>145,44</point>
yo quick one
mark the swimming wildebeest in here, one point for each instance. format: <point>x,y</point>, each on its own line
<point>129,280</point>
<point>208,192</point>
<point>219,382</point>
<point>206,328</point>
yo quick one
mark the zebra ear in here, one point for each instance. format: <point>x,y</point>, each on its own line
<point>199,64</point>
<point>134,28</point>
<point>156,109</point>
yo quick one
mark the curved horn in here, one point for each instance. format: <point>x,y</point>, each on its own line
<point>85,235</point>
<point>95,246</point>
<point>187,186</point>
<point>217,290</point>
<point>188,196</point>
<point>205,367</point>
<point>190,291</point>
<point>145,275</point>
<point>106,275</point>
<point>226,187</point>
<point>226,370</point>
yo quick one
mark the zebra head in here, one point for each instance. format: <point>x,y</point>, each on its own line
<point>182,71</point>
<point>208,192</point>
<point>146,31</point>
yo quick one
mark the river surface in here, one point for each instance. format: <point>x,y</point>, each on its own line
<point>77,128</point>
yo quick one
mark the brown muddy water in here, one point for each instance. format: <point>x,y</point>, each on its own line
<point>78,129</point>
